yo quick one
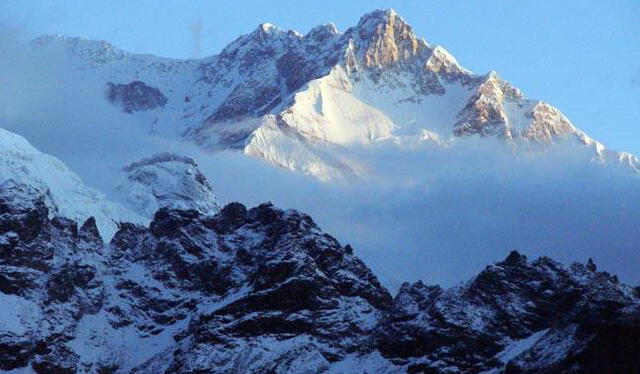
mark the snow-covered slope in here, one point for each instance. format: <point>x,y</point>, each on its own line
<point>66,195</point>
<point>166,180</point>
<point>303,101</point>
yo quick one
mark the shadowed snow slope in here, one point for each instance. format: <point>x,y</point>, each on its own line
<point>66,195</point>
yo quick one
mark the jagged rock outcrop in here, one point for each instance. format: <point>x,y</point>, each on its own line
<point>135,96</point>
<point>166,180</point>
<point>516,316</point>
<point>49,277</point>
<point>499,109</point>
<point>198,290</point>
<point>387,39</point>
<point>485,113</point>
<point>285,290</point>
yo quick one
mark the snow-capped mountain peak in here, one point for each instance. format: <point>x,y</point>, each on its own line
<point>442,62</point>
<point>268,27</point>
<point>323,32</point>
<point>302,102</point>
<point>185,286</point>
<point>92,52</point>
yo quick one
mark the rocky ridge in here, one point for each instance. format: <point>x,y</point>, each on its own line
<point>516,316</point>
<point>265,290</point>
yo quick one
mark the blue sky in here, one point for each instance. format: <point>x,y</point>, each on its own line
<point>581,56</point>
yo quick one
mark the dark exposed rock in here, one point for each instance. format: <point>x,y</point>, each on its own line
<point>232,216</point>
<point>59,360</point>
<point>44,263</point>
<point>89,231</point>
<point>22,211</point>
<point>135,96</point>
<point>14,352</point>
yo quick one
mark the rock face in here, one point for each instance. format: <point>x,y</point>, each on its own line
<point>135,96</point>
<point>497,108</point>
<point>166,180</point>
<point>282,288</point>
<point>307,102</point>
<point>388,39</point>
<point>265,290</point>
<point>49,280</point>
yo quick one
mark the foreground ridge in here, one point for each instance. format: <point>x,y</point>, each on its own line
<point>265,290</point>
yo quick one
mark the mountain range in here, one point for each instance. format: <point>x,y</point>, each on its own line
<point>153,274</point>
<point>305,102</point>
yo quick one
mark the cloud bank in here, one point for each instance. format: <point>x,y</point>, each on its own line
<point>448,213</point>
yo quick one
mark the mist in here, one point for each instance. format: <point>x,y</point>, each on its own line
<point>436,214</point>
<point>445,214</point>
